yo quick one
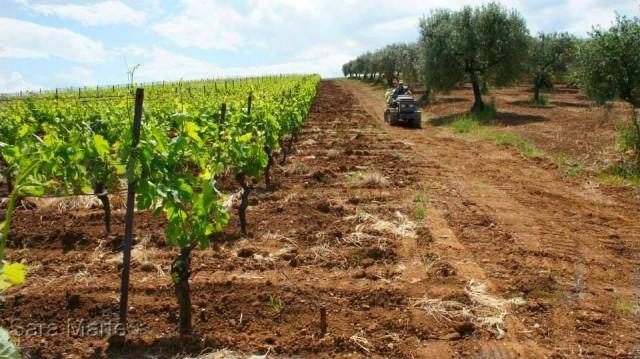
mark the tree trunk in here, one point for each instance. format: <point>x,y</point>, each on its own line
<point>287,150</point>
<point>537,85</point>
<point>180,275</point>
<point>478,105</point>
<point>267,170</point>
<point>283,150</point>
<point>106,207</point>
<point>292,138</point>
<point>244,203</point>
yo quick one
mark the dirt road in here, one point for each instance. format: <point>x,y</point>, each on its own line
<point>418,243</point>
<point>568,248</point>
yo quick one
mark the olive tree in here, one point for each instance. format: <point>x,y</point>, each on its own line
<point>473,44</point>
<point>408,63</point>
<point>609,68</point>
<point>549,55</point>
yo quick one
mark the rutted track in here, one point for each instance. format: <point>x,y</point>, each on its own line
<point>568,248</point>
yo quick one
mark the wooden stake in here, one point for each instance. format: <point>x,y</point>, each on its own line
<point>128,224</point>
<point>323,321</point>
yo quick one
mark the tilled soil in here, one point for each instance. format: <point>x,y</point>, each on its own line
<point>567,245</point>
<point>413,241</point>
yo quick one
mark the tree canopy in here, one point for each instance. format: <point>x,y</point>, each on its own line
<point>486,43</point>
<point>609,62</point>
<point>549,55</point>
<point>609,69</point>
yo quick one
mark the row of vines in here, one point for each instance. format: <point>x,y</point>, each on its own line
<point>192,134</point>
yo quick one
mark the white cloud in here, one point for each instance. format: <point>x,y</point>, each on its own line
<point>101,13</point>
<point>14,82</point>
<point>205,25</point>
<point>404,29</point>
<point>163,64</point>
<point>222,25</point>
<point>21,39</point>
<point>132,50</point>
<point>75,76</point>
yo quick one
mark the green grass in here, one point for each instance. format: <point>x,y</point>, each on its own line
<point>275,304</point>
<point>476,124</point>
<point>542,101</point>
<point>621,174</point>
<point>421,200</point>
<point>626,307</point>
<point>381,130</point>
<point>420,212</point>
<point>548,90</point>
<point>464,124</point>
<point>503,138</point>
<point>566,165</point>
<point>628,139</point>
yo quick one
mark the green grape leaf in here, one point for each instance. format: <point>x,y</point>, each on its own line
<point>24,130</point>
<point>101,145</point>
<point>32,190</point>
<point>192,131</point>
<point>245,138</point>
<point>12,274</point>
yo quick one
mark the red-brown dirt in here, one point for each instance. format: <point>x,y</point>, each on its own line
<point>393,230</point>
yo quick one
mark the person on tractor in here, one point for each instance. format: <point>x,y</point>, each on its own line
<point>400,90</point>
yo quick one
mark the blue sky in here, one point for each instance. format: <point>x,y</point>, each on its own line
<point>49,43</point>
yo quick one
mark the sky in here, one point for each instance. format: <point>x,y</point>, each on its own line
<point>55,44</point>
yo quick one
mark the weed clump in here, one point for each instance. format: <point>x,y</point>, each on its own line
<point>476,124</point>
<point>542,101</point>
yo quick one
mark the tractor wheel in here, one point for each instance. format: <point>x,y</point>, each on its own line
<point>393,119</point>
<point>386,116</point>
<point>417,121</point>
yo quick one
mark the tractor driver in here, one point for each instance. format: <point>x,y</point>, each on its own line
<point>400,90</point>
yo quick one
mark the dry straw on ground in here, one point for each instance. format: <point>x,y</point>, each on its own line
<point>485,310</point>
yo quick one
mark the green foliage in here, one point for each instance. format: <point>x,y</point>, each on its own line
<point>420,211</point>
<point>626,307</point>
<point>482,43</point>
<point>276,304</point>
<point>471,121</point>
<point>61,145</point>
<point>393,62</point>
<point>549,55</point>
<point>476,124</point>
<point>464,124</point>
<point>84,146</point>
<point>628,136</point>
<point>609,69</point>
<point>541,101</point>
<point>12,274</point>
<point>609,62</point>
<point>623,173</point>
<point>566,164</point>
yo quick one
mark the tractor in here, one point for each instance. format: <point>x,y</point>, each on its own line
<point>403,110</point>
